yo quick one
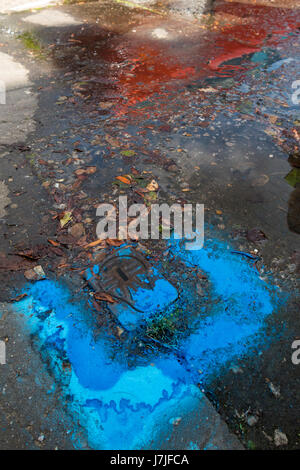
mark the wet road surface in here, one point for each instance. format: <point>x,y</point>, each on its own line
<point>207,110</point>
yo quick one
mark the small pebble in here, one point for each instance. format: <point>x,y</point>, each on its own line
<point>252,420</point>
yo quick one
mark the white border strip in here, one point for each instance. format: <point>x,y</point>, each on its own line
<point>2,352</point>
<point>34,4</point>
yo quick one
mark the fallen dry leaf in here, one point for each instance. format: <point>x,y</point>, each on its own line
<point>65,219</point>
<point>123,179</point>
<point>57,251</point>
<point>105,104</point>
<point>103,296</point>
<point>296,134</point>
<point>95,243</point>
<point>53,242</point>
<point>90,170</point>
<point>152,186</point>
<point>18,298</point>
<point>120,331</point>
<point>273,119</point>
<point>114,242</point>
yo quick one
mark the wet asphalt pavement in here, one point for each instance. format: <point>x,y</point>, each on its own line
<point>202,105</point>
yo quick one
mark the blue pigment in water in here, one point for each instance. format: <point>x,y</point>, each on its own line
<point>123,407</point>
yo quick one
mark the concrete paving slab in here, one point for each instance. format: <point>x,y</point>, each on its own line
<point>51,18</point>
<point>19,105</point>
<point>22,5</point>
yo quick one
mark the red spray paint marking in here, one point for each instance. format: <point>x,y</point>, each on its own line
<point>157,66</point>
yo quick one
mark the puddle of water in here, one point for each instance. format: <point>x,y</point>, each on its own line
<point>146,64</point>
<point>150,89</point>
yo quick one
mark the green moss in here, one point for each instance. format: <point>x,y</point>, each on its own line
<point>163,328</point>
<point>293,178</point>
<point>30,41</point>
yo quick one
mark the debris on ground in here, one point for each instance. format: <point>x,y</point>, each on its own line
<point>35,274</point>
<point>280,439</point>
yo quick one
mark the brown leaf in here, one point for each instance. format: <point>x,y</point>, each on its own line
<point>68,161</point>
<point>18,298</point>
<point>35,253</point>
<point>29,254</point>
<point>57,251</point>
<point>86,171</point>
<point>273,119</point>
<point>114,242</point>
<point>296,134</point>
<point>76,185</point>
<point>62,265</point>
<point>140,193</point>
<point>105,104</point>
<point>103,296</point>
<point>95,243</point>
<point>123,179</point>
<point>53,242</point>
<point>43,162</point>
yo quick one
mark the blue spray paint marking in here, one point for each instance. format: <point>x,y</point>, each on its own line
<point>146,295</point>
<point>148,300</point>
<point>116,405</point>
<point>163,293</point>
<point>244,302</point>
<point>126,408</point>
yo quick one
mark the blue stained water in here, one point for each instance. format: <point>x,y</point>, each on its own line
<point>147,300</point>
<point>123,407</point>
<point>242,303</point>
